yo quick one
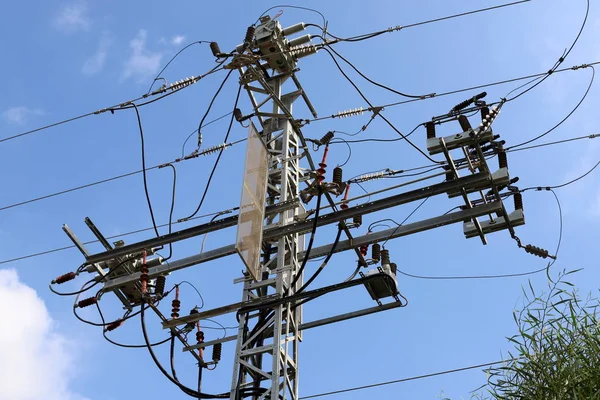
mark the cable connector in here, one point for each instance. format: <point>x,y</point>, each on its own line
<point>394,28</point>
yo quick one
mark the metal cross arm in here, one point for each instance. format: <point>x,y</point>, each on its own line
<point>297,227</point>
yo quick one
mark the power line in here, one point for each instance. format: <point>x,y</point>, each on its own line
<point>593,136</point>
<point>114,178</point>
<point>366,36</point>
<point>412,378</point>
<point>125,105</point>
<point>329,51</point>
<point>564,119</point>
<point>468,89</point>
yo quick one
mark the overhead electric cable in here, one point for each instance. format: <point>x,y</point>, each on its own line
<point>114,178</point>
<point>564,119</point>
<point>413,378</point>
<point>158,76</point>
<point>467,89</point>
<point>592,136</point>
<point>120,106</point>
<point>366,36</point>
<point>379,114</point>
<point>139,120</point>
<point>208,182</point>
<point>561,59</point>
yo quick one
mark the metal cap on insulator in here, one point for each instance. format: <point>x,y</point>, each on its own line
<point>300,40</point>
<point>518,198</point>
<point>65,278</point>
<point>364,249</point>
<point>237,113</point>
<point>290,30</point>
<point>249,34</point>
<point>114,325</point>
<point>394,268</point>
<point>385,257</point>
<point>430,127</point>
<point>337,175</point>
<point>326,138</point>
<point>216,50</point>
<point>87,302</point>
<point>376,252</point>
<point>464,123</point>
<point>216,352</point>
<point>484,112</point>
<point>502,159</point>
<point>357,220</point>
<point>159,285</point>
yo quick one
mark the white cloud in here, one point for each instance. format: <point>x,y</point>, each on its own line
<point>73,18</point>
<point>177,40</point>
<point>20,115</point>
<point>96,62</point>
<point>142,63</point>
<point>36,361</point>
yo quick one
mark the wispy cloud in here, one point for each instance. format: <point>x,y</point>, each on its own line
<point>96,62</point>
<point>177,40</point>
<point>142,63</point>
<point>20,115</point>
<point>32,349</point>
<point>73,18</point>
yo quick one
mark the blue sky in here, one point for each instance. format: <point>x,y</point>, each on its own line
<point>63,59</point>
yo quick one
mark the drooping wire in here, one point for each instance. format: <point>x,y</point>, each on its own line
<point>196,290</point>
<point>310,241</point>
<point>561,59</point>
<point>185,389</point>
<point>564,119</point>
<point>171,211</point>
<point>212,101</point>
<point>114,178</point>
<point>296,8</point>
<point>324,263</point>
<point>471,88</point>
<point>339,140</point>
<point>203,126</point>
<point>564,184</point>
<point>216,164</point>
<point>405,219</point>
<point>372,81</point>
<point>173,59</point>
<point>139,120</point>
<point>371,105</point>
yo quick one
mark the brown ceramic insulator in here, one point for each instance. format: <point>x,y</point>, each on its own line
<point>65,278</point>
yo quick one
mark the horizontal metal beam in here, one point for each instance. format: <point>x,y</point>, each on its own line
<point>180,235</point>
<point>378,205</point>
<point>311,324</point>
<point>272,301</point>
<point>404,230</point>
